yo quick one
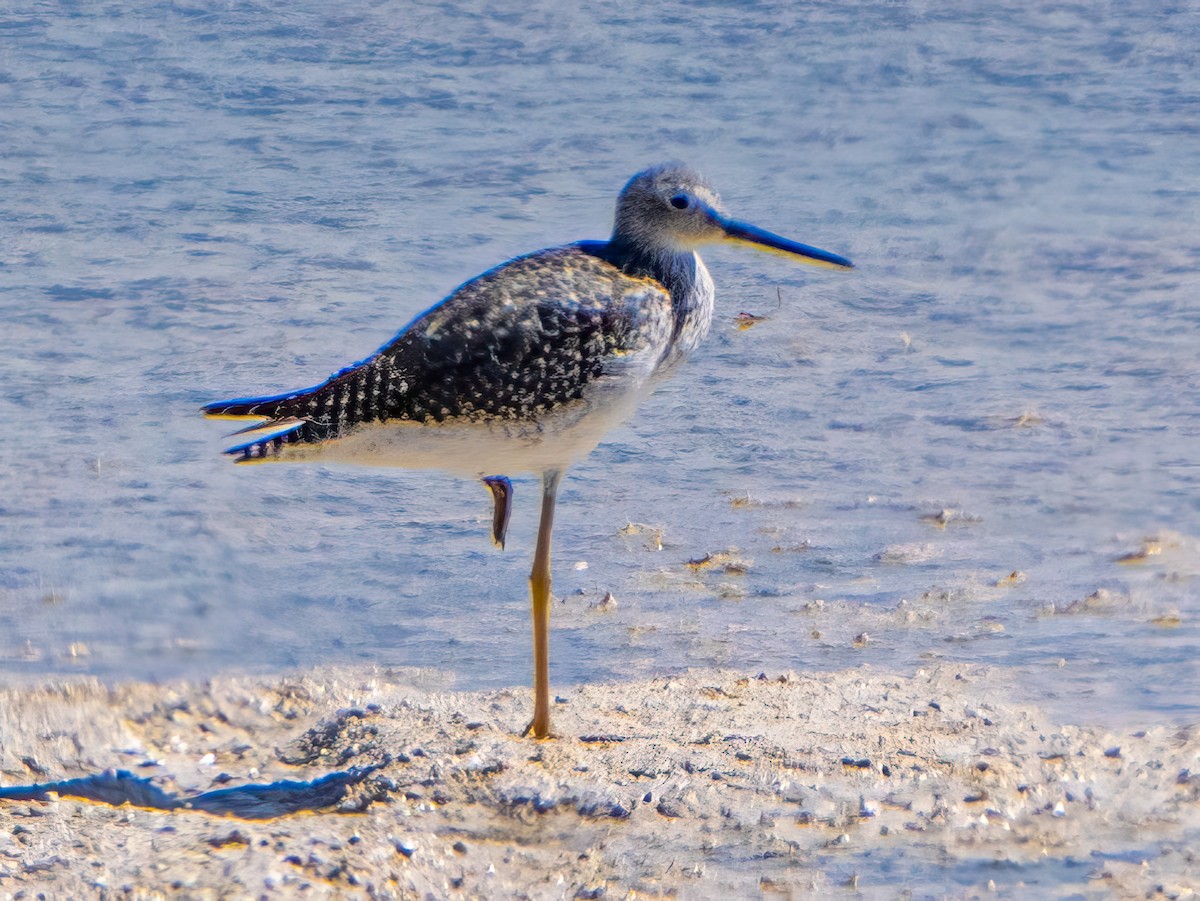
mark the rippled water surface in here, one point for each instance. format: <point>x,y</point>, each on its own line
<point>942,455</point>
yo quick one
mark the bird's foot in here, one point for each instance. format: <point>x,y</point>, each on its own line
<point>544,734</point>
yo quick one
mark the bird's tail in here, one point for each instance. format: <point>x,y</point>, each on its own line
<point>264,439</point>
<point>273,407</point>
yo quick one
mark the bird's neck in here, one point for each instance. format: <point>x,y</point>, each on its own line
<point>674,269</point>
<point>666,265</point>
<point>684,276</point>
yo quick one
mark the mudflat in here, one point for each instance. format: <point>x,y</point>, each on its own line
<point>372,783</point>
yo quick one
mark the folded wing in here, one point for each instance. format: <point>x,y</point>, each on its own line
<point>513,344</point>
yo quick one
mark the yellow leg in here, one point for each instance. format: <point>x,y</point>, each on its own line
<point>539,590</point>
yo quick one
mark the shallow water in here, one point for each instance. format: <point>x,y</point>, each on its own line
<point>205,201</point>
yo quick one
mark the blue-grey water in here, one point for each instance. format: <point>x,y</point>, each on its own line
<point>202,200</point>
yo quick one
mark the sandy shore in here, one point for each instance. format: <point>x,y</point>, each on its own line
<point>710,784</point>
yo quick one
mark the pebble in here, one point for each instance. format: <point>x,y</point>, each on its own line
<point>668,810</point>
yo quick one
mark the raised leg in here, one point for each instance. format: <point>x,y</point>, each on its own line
<point>501,489</point>
<point>539,590</point>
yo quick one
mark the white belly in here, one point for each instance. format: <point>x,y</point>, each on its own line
<point>474,449</point>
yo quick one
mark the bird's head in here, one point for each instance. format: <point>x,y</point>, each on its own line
<point>674,209</point>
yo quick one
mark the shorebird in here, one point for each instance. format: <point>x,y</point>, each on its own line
<point>524,368</point>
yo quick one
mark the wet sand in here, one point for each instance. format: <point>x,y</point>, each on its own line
<point>708,784</point>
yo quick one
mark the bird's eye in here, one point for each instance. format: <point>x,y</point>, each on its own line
<point>681,201</point>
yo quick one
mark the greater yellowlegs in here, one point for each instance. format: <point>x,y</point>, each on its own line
<point>526,367</point>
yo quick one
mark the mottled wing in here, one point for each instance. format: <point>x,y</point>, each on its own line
<point>513,344</point>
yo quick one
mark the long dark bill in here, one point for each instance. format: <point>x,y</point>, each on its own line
<point>761,239</point>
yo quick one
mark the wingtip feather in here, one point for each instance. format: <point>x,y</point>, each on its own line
<point>264,438</point>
